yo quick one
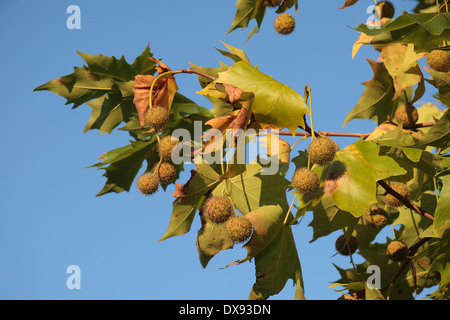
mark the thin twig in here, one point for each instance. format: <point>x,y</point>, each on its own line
<point>405,201</point>
<point>191,70</point>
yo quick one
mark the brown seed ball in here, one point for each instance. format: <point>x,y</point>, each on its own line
<point>386,10</point>
<point>218,209</point>
<point>239,229</point>
<point>305,181</point>
<point>401,189</point>
<point>407,115</point>
<point>148,183</point>
<point>157,118</point>
<point>376,217</point>
<point>167,172</point>
<point>397,251</point>
<point>322,150</point>
<point>284,23</point>
<point>271,3</point>
<point>166,146</point>
<point>439,60</point>
<point>346,247</point>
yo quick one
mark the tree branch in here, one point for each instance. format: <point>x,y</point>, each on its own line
<point>191,70</point>
<point>405,201</point>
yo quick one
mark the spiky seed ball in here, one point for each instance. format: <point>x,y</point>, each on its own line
<point>322,150</point>
<point>305,181</point>
<point>346,247</point>
<point>401,189</point>
<point>148,183</point>
<point>166,146</point>
<point>218,209</point>
<point>376,217</point>
<point>387,10</point>
<point>167,173</point>
<point>157,118</point>
<point>439,60</point>
<point>271,3</point>
<point>284,23</point>
<point>397,250</point>
<point>239,229</point>
<point>407,115</point>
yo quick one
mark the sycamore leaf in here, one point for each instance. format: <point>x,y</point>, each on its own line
<point>439,135</point>
<point>377,101</point>
<point>425,31</point>
<point>108,112</point>
<point>211,239</point>
<point>442,215</point>
<point>124,166</point>
<point>189,200</point>
<point>252,189</point>
<point>164,91</point>
<point>441,80</point>
<point>401,139</point>
<point>267,221</point>
<point>275,265</point>
<point>327,218</point>
<point>401,63</point>
<point>275,104</point>
<point>351,179</point>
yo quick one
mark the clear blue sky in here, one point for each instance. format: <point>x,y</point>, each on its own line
<point>50,217</point>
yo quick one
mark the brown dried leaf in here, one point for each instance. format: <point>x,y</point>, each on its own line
<point>163,91</point>
<point>348,3</point>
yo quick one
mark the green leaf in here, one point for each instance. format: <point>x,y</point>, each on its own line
<point>425,31</point>
<point>439,135</point>
<point>351,179</point>
<point>441,80</point>
<point>79,87</point>
<point>377,101</point>
<point>123,168</point>
<point>401,63</point>
<point>442,215</point>
<point>253,189</point>
<point>212,238</point>
<point>203,180</point>
<point>275,265</point>
<point>267,222</point>
<point>401,140</point>
<point>328,218</point>
<point>442,265</point>
<point>108,112</point>
<point>275,104</point>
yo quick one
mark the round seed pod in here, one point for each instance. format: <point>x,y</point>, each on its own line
<point>166,146</point>
<point>397,250</point>
<point>284,24</point>
<point>322,150</point>
<point>407,115</point>
<point>217,209</point>
<point>148,183</point>
<point>401,189</point>
<point>305,181</point>
<point>439,60</point>
<point>376,217</point>
<point>239,229</point>
<point>346,247</point>
<point>167,172</point>
<point>157,118</point>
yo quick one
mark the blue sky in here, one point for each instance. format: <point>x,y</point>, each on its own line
<point>50,217</point>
